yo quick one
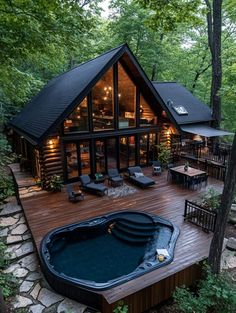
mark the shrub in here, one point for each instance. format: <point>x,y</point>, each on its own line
<point>6,157</point>
<point>8,283</point>
<point>121,308</point>
<point>216,294</point>
<point>211,199</point>
<point>55,183</point>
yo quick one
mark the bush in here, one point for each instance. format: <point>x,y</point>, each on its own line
<point>121,308</point>
<point>216,294</point>
<point>55,183</point>
<point>6,157</point>
<point>211,199</point>
<point>8,283</point>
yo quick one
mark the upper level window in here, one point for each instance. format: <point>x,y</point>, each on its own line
<point>103,102</point>
<point>126,99</point>
<point>78,120</point>
<point>147,116</point>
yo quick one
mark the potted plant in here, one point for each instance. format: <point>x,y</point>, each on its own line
<point>186,165</point>
<point>55,183</point>
<point>164,154</point>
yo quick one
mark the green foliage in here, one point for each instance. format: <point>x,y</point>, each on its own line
<point>55,183</point>
<point>8,282</point>
<point>6,157</point>
<point>164,154</point>
<point>121,308</point>
<point>216,293</point>
<point>211,199</point>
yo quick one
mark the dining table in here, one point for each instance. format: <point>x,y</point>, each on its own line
<point>188,177</point>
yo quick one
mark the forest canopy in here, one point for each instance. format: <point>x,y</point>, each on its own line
<point>41,39</point>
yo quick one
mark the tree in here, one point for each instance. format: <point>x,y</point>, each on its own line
<point>223,213</point>
<point>214,25</point>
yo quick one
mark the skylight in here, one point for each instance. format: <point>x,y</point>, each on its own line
<point>180,109</point>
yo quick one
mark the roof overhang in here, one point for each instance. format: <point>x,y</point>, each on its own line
<point>204,130</point>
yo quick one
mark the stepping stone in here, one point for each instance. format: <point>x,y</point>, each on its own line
<point>38,308</point>
<point>68,305</point>
<point>231,244</point>
<point>22,302</point>
<point>4,232</point>
<point>26,237</point>
<point>34,276</point>
<point>8,221</point>
<point>47,297</point>
<point>12,268</point>
<point>13,239</point>
<point>19,230</point>
<point>30,262</point>
<point>26,286</point>
<point>35,292</point>
<point>24,249</point>
<point>10,209</point>
<point>20,272</point>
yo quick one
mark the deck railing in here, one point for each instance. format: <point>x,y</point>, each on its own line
<point>200,216</point>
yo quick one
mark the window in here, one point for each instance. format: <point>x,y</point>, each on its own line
<point>103,102</point>
<point>77,121</point>
<point>126,99</point>
<point>147,116</point>
<point>84,157</point>
<point>111,153</point>
<point>143,149</point>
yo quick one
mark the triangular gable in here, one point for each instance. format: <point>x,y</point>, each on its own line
<point>61,95</point>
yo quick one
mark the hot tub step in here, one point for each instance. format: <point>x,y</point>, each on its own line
<point>137,231</point>
<point>130,237</point>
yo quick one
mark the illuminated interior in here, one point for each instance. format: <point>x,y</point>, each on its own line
<point>78,120</point>
<point>103,102</point>
<point>126,99</point>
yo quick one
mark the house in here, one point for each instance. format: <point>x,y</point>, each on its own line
<point>105,113</point>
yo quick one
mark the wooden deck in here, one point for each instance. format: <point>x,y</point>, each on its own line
<point>46,211</point>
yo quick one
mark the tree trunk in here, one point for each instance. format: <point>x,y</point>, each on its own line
<point>3,308</point>
<point>216,63</point>
<point>154,71</point>
<point>223,213</point>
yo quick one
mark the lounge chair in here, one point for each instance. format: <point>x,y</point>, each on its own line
<point>88,185</point>
<point>114,178</point>
<point>72,195</point>
<point>137,177</point>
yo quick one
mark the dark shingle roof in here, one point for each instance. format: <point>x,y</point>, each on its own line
<point>57,98</point>
<point>179,95</point>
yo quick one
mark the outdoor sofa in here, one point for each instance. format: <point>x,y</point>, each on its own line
<point>88,185</point>
<point>137,177</point>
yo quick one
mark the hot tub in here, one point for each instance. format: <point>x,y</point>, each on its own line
<point>82,259</point>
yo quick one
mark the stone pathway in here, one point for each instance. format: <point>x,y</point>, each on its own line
<point>34,294</point>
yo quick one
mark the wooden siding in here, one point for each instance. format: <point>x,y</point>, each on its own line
<point>50,159</point>
<point>46,211</point>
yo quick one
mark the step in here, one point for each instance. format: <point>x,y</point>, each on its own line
<point>136,226</point>
<point>134,231</point>
<point>126,238</point>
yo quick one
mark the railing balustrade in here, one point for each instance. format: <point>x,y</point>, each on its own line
<point>200,216</point>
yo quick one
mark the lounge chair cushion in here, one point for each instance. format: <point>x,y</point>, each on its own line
<point>134,169</point>
<point>97,187</point>
<point>85,180</point>
<point>143,181</point>
<point>137,175</point>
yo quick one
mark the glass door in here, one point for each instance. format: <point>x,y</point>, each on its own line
<point>84,150</point>
<point>111,153</point>
<point>143,149</point>
<point>100,156</point>
<point>72,170</point>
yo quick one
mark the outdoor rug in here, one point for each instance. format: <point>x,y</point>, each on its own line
<point>121,191</point>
